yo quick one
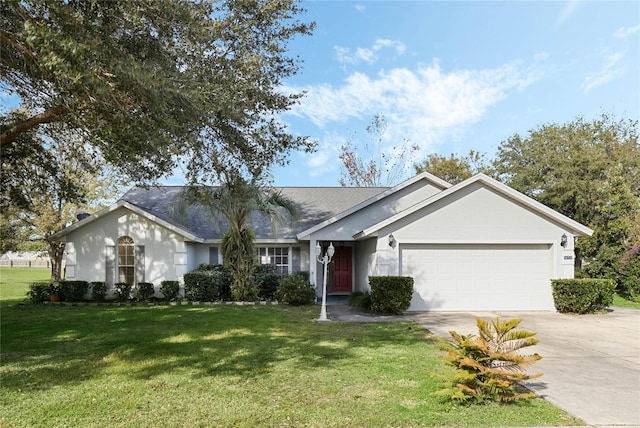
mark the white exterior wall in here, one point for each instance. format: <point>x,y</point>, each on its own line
<point>165,252</point>
<point>345,228</point>
<point>191,262</point>
<point>475,215</point>
<point>364,263</point>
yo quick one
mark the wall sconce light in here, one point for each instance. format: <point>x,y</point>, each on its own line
<point>392,240</point>
<point>563,240</point>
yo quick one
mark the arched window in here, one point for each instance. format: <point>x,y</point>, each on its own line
<point>126,260</point>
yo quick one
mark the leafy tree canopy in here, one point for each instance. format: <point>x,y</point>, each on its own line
<point>150,83</point>
<point>454,169</point>
<point>567,166</point>
<point>44,187</point>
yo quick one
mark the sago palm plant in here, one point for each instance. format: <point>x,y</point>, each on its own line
<point>489,365</point>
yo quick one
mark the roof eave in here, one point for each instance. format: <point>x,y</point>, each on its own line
<point>576,228</point>
<point>438,182</point>
<point>124,204</point>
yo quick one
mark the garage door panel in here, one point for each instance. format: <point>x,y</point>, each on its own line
<point>479,277</point>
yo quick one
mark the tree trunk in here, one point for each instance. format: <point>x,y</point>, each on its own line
<point>577,261</point>
<point>56,252</point>
<point>48,116</point>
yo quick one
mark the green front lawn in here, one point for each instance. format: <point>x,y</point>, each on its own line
<point>624,303</point>
<point>14,282</point>
<point>227,366</point>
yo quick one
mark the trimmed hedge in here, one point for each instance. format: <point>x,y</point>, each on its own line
<point>73,291</point>
<point>208,283</point>
<point>123,291</point>
<point>98,290</point>
<point>584,295</point>
<point>39,292</point>
<point>266,277</point>
<point>390,295</point>
<point>146,291</point>
<point>69,291</point>
<point>296,290</point>
<point>170,290</point>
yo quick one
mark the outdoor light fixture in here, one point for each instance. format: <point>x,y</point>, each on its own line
<point>325,260</point>
<point>563,240</point>
<point>392,240</point>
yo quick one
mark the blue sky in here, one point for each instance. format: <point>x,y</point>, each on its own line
<point>454,76</point>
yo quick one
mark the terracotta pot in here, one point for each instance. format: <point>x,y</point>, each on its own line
<point>55,297</point>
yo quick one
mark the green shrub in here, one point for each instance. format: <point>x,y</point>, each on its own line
<point>207,285</point>
<point>266,279</point>
<point>629,283</point>
<point>73,291</point>
<point>170,290</point>
<point>360,301</point>
<point>145,291</point>
<point>98,290</point>
<point>123,291</point>
<point>489,366</point>
<point>39,292</point>
<point>390,294</point>
<point>584,295</point>
<point>296,290</point>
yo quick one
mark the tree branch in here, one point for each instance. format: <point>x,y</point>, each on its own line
<point>51,115</point>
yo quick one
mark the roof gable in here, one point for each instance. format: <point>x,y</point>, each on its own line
<point>429,178</point>
<point>125,204</point>
<point>511,194</point>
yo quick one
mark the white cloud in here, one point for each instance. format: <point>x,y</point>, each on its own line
<point>624,32</point>
<point>368,55</point>
<point>424,106</point>
<point>323,161</point>
<point>611,69</point>
<point>360,7</point>
<point>425,95</point>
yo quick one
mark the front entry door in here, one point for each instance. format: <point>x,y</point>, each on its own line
<point>341,272</point>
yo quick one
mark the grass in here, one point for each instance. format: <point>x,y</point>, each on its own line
<point>215,365</point>
<point>624,303</point>
<point>14,282</point>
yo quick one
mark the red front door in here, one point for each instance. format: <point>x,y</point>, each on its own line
<point>341,271</point>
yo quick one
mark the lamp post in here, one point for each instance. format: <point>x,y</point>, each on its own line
<point>325,260</point>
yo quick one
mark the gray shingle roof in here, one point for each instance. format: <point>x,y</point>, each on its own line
<point>314,204</point>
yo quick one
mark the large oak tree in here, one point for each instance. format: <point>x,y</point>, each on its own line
<point>150,83</point>
<point>567,166</point>
<point>585,170</point>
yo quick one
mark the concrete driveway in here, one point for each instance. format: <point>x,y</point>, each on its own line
<point>591,363</point>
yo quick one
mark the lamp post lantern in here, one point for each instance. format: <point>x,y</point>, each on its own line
<point>325,260</point>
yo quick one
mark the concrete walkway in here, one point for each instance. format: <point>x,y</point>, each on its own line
<point>591,363</point>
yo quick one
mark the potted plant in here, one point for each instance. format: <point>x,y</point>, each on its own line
<point>54,291</point>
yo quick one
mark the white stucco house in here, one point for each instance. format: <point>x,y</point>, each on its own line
<point>477,245</point>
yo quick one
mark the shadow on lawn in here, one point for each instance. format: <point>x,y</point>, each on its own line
<point>45,346</point>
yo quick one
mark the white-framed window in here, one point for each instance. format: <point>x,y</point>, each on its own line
<point>277,256</point>
<point>126,260</point>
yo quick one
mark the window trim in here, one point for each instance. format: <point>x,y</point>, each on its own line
<point>128,244</point>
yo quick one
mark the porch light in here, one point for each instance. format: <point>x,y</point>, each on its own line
<point>563,240</point>
<point>392,240</point>
<point>325,260</point>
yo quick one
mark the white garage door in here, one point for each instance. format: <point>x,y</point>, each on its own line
<point>485,277</point>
